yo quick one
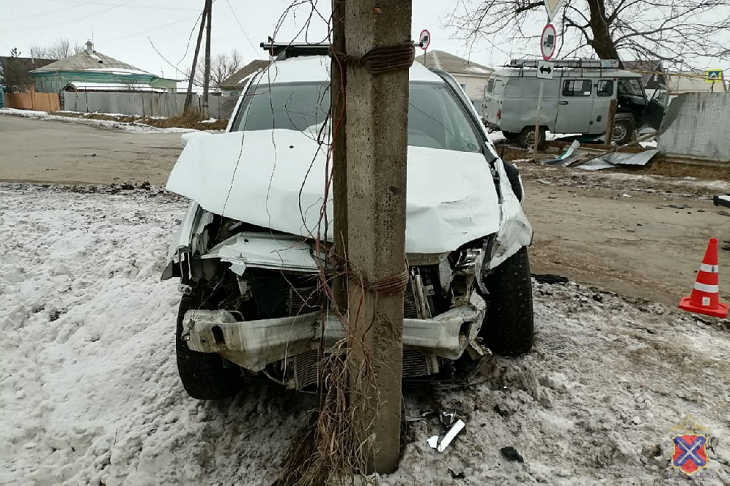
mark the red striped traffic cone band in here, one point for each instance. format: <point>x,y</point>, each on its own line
<point>705,297</point>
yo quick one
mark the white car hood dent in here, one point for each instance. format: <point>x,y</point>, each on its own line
<point>262,251</point>
<point>275,179</point>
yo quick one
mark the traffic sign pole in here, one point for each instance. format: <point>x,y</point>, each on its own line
<point>537,121</point>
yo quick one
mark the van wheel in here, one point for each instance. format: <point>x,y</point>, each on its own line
<point>509,327</point>
<point>511,135</point>
<point>203,375</point>
<point>526,138</point>
<point>623,132</point>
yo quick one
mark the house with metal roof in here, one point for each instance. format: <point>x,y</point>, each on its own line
<point>90,70</point>
<point>471,76</point>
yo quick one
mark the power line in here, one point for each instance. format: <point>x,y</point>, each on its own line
<point>133,6</point>
<point>241,26</point>
<point>48,13</point>
<point>146,31</point>
<point>25,29</point>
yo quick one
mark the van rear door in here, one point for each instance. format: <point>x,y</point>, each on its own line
<point>493,96</point>
<point>576,106</point>
<point>605,92</point>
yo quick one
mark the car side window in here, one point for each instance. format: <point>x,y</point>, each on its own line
<point>605,88</point>
<point>577,87</point>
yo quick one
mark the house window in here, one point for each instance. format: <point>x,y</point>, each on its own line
<point>577,87</point>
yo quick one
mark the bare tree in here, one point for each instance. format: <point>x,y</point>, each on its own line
<point>676,31</point>
<point>60,49</point>
<point>14,72</point>
<point>222,67</point>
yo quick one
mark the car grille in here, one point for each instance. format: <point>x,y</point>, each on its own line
<point>306,367</point>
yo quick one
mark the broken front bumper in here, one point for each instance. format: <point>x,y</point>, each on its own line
<point>254,344</point>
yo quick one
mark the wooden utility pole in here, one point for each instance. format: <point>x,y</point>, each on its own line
<point>610,123</point>
<point>339,147</point>
<point>206,80</point>
<point>189,97</point>
<point>377,139</point>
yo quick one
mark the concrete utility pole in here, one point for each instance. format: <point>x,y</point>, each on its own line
<point>377,138</point>
<point>206,81</point>
<point>339,147</point>
<point>189,97</point>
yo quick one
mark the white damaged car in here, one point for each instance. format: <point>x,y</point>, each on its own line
<point>252,307</point>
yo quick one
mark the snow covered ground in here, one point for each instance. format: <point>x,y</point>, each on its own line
<point>128,127</point>
<point>89,392</point>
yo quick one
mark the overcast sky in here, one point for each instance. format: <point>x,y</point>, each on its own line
<point>122,29</point>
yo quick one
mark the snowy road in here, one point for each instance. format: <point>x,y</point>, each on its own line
<point>89,393</point>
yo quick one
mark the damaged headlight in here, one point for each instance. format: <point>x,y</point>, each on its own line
<point>457,278</point>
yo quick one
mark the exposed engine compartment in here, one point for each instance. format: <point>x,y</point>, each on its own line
<point>247,293</point>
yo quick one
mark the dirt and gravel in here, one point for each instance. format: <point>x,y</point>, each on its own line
<point>34,150</point>
<point>90,393</point>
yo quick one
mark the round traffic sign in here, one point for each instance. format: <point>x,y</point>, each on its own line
<point>548,42</point>
<point>424,39</point>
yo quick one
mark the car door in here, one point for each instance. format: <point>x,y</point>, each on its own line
<point>656,108</point>
<point>604,93</point>
<point>576,106</point>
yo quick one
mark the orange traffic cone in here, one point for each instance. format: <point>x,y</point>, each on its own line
<point>705,297</point>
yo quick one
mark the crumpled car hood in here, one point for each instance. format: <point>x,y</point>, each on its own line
<point>276,179</point>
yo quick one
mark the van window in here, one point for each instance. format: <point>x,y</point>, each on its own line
<point>605,88</point>
<point>577,87</point>
<point>498,86</point>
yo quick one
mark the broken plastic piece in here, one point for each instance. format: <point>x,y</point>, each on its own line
<point>447,418</point>
<point>450,435</point>
<point>512,454</point>
<point>433,441</point>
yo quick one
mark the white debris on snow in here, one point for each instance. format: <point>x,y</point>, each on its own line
<point>128,127</point>
<point>90,392</point>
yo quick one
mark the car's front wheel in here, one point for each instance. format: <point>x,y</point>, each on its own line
<point>204,375</point>
<point>508,327</point>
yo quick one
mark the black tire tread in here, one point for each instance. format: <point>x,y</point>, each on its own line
<point>202,374</point>
<point>508,327</point>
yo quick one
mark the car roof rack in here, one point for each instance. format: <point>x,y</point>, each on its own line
<point>283,50</point>
<point>568,63</point>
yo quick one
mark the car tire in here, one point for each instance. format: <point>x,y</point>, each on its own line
<point>527,136</point>
<point>508,328</point>
<point>623,131</point>
<point>203,375</point>
<point>511,135</point>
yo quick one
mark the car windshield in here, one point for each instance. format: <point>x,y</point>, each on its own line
<point>435,118</point>
<point>630,87</point>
